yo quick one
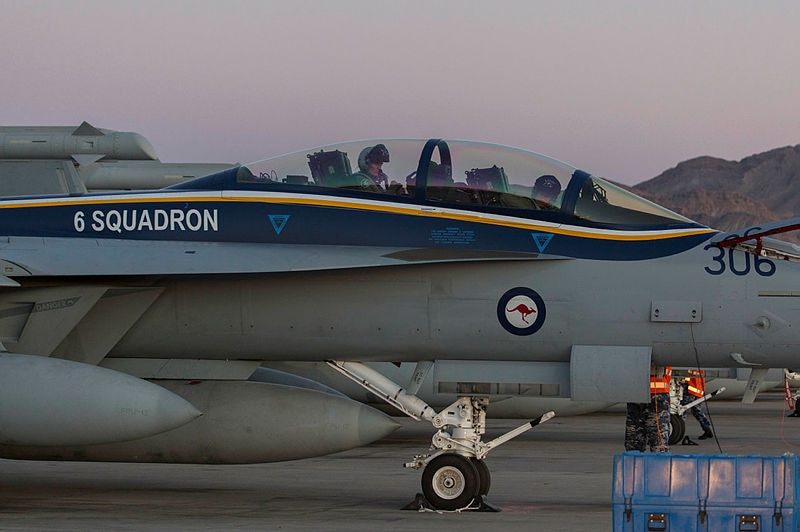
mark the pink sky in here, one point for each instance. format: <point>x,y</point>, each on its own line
<point>623,89</point>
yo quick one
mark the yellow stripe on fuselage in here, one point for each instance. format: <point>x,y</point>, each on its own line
<point>447,213</point>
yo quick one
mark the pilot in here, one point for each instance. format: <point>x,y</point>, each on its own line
<point>370,166</point>
<point>545,191</point>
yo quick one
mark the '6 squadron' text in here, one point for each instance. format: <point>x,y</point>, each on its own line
<point>137,220</point>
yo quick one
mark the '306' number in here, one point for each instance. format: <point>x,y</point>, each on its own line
<point>738,263</point>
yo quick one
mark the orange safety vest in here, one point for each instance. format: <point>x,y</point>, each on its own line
<point>697,383</point>
<point>661,384</point>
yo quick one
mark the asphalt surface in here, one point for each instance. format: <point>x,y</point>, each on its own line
<point>555,477</point>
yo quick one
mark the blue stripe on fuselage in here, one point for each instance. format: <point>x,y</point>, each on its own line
<point>320,220</point>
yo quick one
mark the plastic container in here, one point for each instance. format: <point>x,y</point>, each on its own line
<point>671,492</point>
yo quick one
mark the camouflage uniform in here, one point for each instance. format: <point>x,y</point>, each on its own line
<point>642,425</point>
<point>697,412</point>
<point>635,423</point>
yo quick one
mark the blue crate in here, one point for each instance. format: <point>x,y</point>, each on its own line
<point>672,492</point>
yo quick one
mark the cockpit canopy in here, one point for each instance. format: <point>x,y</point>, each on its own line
<point>459,174</point>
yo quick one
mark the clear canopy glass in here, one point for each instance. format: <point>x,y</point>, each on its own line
<point>462,174</point>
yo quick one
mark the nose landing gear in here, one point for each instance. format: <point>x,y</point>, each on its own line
<point>455,476</point>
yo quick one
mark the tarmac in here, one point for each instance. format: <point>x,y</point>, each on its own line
<point>557,476</point>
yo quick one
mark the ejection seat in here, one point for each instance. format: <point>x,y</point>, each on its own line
<point>330,168</point>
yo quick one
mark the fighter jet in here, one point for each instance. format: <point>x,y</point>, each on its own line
<point>63,159</point>
<point>493,269</point>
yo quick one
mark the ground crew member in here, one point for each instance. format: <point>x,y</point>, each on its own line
<point>694,387</point>
<point>647,424</point>
<point>792,399</point>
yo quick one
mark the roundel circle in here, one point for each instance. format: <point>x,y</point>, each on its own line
<point>521,311</point>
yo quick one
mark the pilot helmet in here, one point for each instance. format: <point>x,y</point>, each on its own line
<point>547,185</point>
<point>372,154</point>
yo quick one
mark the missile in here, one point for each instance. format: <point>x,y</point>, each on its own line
<point>48,401</point>
<point>85,144</point>
<point>242,422</point>
<point>67,160</point>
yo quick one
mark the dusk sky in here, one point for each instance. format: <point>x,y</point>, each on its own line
<point>623,89</point>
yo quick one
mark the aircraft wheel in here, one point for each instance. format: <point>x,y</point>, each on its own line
<point>450,482</point>
<point>677,429</point>
<point>484,476</point>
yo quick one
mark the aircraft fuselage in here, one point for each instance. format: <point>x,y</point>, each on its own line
<point>441,311</point>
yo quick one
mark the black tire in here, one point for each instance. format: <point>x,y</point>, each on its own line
<point>677,429</point>
<point>450,482</point>
<point>484,476</point>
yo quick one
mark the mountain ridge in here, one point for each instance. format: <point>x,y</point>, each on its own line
<point>730,195</point>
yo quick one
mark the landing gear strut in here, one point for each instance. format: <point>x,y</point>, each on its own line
<point>455,476</point>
